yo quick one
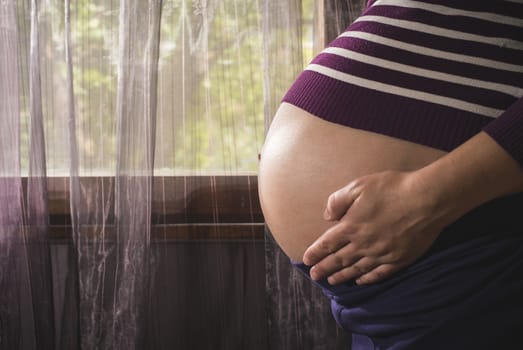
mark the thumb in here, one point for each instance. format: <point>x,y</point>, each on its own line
<point>339,202</point>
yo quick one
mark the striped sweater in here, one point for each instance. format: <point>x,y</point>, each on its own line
<point>434,72</point>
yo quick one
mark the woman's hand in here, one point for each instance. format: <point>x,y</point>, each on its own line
<point>384,222</point>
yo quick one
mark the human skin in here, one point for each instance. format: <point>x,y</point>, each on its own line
<point>384,221</point>
<point>305,159</point>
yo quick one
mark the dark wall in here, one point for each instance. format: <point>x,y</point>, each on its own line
<point>204,295</point>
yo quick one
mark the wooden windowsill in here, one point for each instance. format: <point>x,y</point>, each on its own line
<point>183,208</point>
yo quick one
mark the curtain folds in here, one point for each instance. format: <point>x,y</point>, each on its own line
<point>103,105</point>
<point>103,303</point>
<point>113,256</point>
<point>12,253</point>
<point>25,271</point>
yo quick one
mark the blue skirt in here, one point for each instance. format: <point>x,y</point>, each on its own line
<point>465,293</point>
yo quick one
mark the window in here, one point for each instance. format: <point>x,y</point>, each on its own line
<point>209,108</point>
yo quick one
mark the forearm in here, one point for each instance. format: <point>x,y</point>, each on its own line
<point>385,221</point>
<point>474,173</point>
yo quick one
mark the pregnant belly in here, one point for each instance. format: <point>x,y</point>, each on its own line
<point>305,159</point>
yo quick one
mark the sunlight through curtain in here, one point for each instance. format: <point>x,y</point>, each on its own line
<point>129,140</point>
<point>128,131</point>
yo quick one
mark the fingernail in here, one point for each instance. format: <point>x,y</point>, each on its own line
<point>327,214</point>
<point>306,261</point>
<point>313,273</point>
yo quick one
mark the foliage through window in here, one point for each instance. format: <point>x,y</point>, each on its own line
<point>210,85</point>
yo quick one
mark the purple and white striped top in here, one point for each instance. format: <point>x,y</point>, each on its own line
<point>434,72</point>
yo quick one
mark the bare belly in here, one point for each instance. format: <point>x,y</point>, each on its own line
<point>305,159</point>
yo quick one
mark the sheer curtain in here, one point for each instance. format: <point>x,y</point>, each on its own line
<point>129,141</point>
<point>106,266</point>
<point>25,272</point>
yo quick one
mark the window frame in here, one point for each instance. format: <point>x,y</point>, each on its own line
<point>227,206</point>
<point>183,208</point>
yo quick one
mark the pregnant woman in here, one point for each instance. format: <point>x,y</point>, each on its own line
<point>392,175</point>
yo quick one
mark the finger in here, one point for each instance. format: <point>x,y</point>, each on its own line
<point>331,241</point>
<point>335,262</point>
<point>339,202</point>
<point>378,274</point>
<point>357,269</point>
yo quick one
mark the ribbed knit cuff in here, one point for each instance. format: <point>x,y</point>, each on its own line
<point>507,130</point>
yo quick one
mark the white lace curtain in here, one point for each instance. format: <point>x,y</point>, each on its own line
<point>97,100</point>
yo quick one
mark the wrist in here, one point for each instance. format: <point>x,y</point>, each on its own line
<point>474,173</point>
<point>441,199</point>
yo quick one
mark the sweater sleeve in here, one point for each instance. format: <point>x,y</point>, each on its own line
<point>507,130</point>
